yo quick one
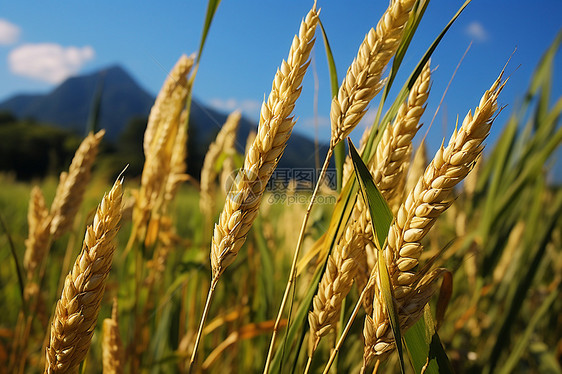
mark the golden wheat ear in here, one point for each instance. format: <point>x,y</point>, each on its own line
<point>77,309</point>
<point>225,140</point>
<point>164,151</point>
<point>363,79</point>
<point>70,191</point>
<point>112,347</point>
<point>274,130</point>
<point>37,242</point>
<point>430,197</point>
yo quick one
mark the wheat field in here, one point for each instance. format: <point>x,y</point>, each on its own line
<point>412,262</point>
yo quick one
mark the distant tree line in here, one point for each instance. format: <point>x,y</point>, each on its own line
<point>30,149</point>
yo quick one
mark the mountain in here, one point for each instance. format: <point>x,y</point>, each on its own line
<point>123,99</point>
<point>69,104</point>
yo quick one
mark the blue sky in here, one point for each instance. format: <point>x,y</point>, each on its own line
<point>41,43</point>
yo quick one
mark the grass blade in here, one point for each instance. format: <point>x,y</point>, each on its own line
<point>381,218</point>
<point>212,6</point>
<point>381,215</point>
<point>339,150</point>
<point>426,352</point>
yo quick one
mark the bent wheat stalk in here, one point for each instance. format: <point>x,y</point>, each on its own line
<point>77,310</point>
<point>275,126</point>
<point>432,194</point>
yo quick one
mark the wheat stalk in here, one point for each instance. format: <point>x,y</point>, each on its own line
<point>362,81</point>
<point>77,310</point>
<point>37,242</point>
<point>432,194</point>
<point>113,359</point>
<point>71,187</point>
<point>274,129</point>
<point>360,85</point>
<point>164,105</point>
<point>228,164</point>
<point>390,163</point>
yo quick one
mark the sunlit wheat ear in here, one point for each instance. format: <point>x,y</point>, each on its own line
<point>395,147</point>
<point>333,288</point>
<point>77,309</point>
<point>432,194</point>
<point>72,185</point>
<point>178,165</point>
<point>166,101</point>
<point>275,126</point>
<point>228,164</point>
<point>389,165</point>
<point>429,198</point>
<point>113,358</point>
<point>224,140</point>
<point>39,222</point>
<point>161,147</point>
<point>363,79</point>
<point>377,332</point>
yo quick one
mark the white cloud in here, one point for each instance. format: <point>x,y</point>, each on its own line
<point>477,31</point>
<point>48,62</point>
<point>9,33</point>
<point>249,107</point>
